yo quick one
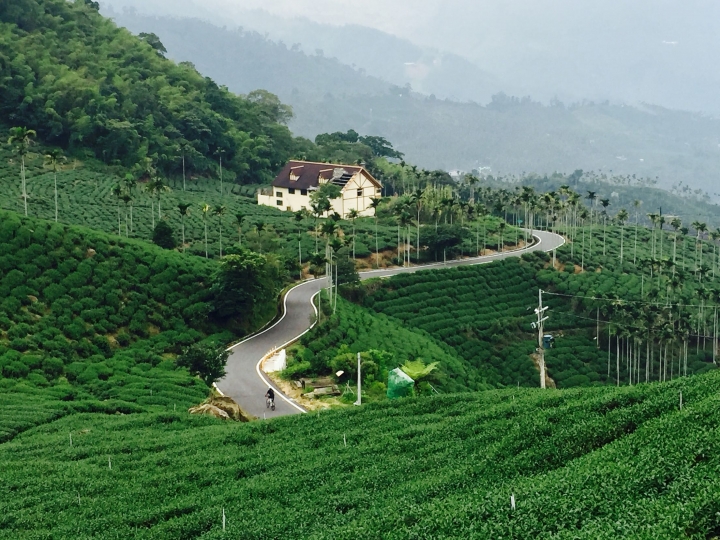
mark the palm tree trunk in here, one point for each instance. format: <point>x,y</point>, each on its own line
<point>417,252</point>
<point>152,212</point>
<point>182,220</point>
<point>56,198</point>
<point>24,184</point>
<point>221,240</point>
<point>636,241</point>
<point>617,360</point>
<point>377,256</point>
<point>206,240</point>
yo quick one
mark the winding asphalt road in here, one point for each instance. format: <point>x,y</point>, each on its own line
<point>247,384</point>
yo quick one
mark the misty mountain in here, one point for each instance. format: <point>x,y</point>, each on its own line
<point>245,61</point>
<point>644,51</point>
<point>368,50</point>
<point>509,135</point>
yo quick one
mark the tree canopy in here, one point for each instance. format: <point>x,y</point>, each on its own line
<point>96,90</point>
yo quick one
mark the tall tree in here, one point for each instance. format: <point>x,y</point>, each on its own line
<point>21,138</point>
<point>160,187</point>
<point>374,204</point>
<point>184,210</point>
<point>205,208</point>
<point>130,184</point>
<point>239,217</point>
<point>53,159</point>
<point>417,199</point>
<point>219,211</point>
<point>117,192</point>
<point>592,197</point>
<point>605,203</point>
<point>622,218</point>
<point>675,223</point>
<point>636,205</point>
<point>352,216</point>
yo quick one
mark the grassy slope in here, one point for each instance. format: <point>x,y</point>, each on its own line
<point>482,312</point>
<point>362,330</point>
<point>85,198</point>
<point>92,320</point>
<point>589,463</point>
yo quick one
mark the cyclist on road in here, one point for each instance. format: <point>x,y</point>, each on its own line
<point>270,395</point>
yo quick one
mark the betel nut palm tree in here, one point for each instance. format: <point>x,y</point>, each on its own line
<point>239,218</point>
<point>219,211</point>
<point>53,159</point>
<point>184,210</point>
<point>205,208</point>
<point>352,216</point>
<point>374,204</point>
<point>21,138</point>
<point>622,217</point>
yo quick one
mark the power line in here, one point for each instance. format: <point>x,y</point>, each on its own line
<point>640,302</point>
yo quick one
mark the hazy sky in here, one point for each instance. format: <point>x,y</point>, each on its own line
<point>656,51</point>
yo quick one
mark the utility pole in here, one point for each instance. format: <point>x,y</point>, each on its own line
<point>359,399</point>
<point>540,325</point>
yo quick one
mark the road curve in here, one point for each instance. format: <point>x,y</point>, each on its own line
<point>244,380</point>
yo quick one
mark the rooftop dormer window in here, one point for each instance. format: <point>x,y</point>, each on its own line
<point>295,173</point>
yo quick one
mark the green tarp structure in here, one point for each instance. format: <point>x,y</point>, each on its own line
<point>399,384</point>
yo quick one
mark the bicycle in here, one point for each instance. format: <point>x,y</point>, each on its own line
<point>270,403</point>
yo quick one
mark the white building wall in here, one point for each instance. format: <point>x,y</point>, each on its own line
<point>356,195</point>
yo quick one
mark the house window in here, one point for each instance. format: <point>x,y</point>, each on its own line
<point>360,193</point>
<point>278,193</point>
<point>303,192</point>
<point>291,191</point>
<point>279,203</point>
<point>289,208</point>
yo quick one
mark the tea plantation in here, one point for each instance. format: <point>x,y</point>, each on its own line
<point>485,312</point>
<point>93,322</point>
<point>356,330</point>
<point>85,197</point>
<point>586,463</point>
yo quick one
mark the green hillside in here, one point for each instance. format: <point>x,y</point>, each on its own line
<point>656,319</point>
<point>590,463</point>
<point>86,317</point>
<point>387,345</point>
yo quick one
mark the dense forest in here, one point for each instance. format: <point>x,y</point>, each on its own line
<point>97,91</point>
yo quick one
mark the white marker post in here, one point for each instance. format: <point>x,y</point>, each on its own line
<point>359,399</point>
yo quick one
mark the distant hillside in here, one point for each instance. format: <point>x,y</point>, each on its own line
<point>248,60</point>
<point>514,136</point>
<point>508,135</point>
<point>372,52</point>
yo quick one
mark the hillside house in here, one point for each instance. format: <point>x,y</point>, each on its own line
<point>292,188</point>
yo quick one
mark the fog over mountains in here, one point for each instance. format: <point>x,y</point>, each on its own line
<point>655,51</point>
<point>601,92</point>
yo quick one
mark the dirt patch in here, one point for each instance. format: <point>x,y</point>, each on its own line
<point>221,407</point>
